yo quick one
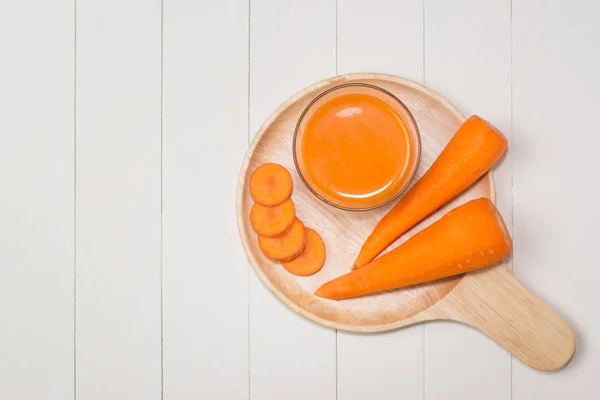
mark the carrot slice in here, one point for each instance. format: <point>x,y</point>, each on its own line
<point>311,259</point>
<point>271,184</point>
<point>273,221</point>
<point>471,152</point>
<point>287,246</point>
<point>469,237</point>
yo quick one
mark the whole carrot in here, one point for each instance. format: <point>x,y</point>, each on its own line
<point>469,237</point>
<point>471,152</point>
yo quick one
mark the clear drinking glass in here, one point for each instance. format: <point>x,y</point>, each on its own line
<point>402,111</point>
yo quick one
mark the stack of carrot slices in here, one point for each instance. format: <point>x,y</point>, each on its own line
<point>281,235</point>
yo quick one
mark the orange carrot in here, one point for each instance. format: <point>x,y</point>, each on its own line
<point>469,237</point>
<point>287,246</point>
<point>273,221</point>
<point>271,184</point>
<point>471,152</point>
<point>311,259</point>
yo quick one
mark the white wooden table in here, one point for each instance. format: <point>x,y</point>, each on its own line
<point>123,124</point>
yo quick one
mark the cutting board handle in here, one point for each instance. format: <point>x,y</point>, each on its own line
<point>496,303</point>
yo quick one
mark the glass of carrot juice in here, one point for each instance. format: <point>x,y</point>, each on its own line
<point>356,146</point>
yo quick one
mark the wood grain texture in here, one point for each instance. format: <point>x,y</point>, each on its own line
<point>555,105</point>
<point>205,125</point>
<point>384,36</point>
<point>118,314</point>
<point>437,120</point>
<point>467,59</point>
<point>36,200</point>
<point>292,44</point>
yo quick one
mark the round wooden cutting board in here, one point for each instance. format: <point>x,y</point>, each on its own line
<point>491,300</point>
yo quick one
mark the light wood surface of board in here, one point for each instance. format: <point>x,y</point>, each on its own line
<point>123,127</point>
<point>490,300</point>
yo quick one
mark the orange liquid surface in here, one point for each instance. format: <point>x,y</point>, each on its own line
<point>358,149</point>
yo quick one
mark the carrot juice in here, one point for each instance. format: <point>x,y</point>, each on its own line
<point>358,151</point>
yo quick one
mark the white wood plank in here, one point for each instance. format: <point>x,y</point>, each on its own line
<point>205,136</point>
<point>118,202</point>
<point>381,36</point>
<point>381,366</point>
<point>292,44</point>
<point>556,214</point>
<point>36,205</point>
<point>467,60</point>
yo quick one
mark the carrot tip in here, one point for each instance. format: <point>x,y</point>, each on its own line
<point>320,292</point>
